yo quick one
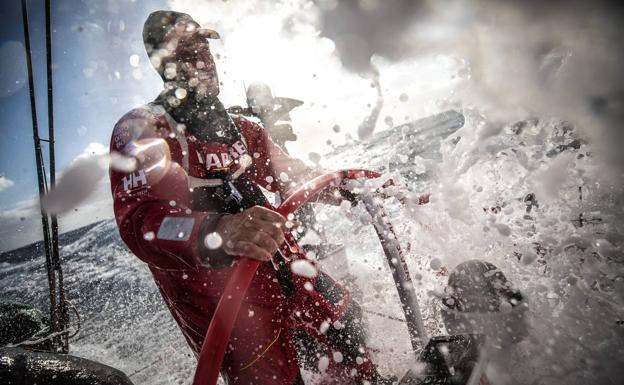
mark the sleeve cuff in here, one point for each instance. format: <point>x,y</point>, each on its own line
<point>213,258</point>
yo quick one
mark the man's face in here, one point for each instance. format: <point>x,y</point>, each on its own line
<point>194,64</point>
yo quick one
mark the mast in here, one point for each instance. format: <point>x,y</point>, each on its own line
<point>57,323</point>
<point>63,319</point>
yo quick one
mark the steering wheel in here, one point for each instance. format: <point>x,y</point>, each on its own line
<point>222,322</point>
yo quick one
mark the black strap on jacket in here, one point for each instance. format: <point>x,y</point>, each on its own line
<point>233,195</point>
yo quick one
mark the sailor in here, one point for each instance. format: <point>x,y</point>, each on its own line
<point>274,113</point>
<point>193,203</point>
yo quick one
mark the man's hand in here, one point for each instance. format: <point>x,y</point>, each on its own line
<point>255,233</point>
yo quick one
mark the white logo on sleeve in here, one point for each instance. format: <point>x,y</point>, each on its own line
<point>134,180</point>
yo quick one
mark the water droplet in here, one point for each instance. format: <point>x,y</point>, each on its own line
<point>323,363</point>
<point>314,157</point>
<point>213,241</point>
<point>435,264</point>
<point>134,60</point>
<point>303,268</point>
<point>180,93</point>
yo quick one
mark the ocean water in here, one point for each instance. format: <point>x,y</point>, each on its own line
<point>561,246</point>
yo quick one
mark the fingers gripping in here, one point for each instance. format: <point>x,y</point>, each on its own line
<point>272,230</point>
<point>251,250</point>
<point>256,233</point>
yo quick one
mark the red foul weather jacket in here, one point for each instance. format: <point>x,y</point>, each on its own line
<point>163,186</point>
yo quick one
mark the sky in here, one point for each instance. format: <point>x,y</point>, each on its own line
<point>91,45</point>
<point>508,59</point>
<point>88,96</point>
<point>101,71</point>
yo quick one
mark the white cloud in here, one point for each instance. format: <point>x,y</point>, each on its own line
<point>79,180</point>
<point>21,209</point>
<point>92,149</point>
<point>21,225</point>
<point>83,194</point>
<point>5,183</point>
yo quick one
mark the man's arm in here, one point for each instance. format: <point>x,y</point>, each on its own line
<point>152,199</point>
<point>284,172</point>
<point>152,204</point>
<point>273,168</point>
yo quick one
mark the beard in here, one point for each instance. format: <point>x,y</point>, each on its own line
<point>200,82</point>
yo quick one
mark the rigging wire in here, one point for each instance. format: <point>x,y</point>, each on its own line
<point>63,316</point>
<point>40,174</point>
<point>58,306</point>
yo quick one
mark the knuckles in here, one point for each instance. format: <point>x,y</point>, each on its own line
<point>256,232</point>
